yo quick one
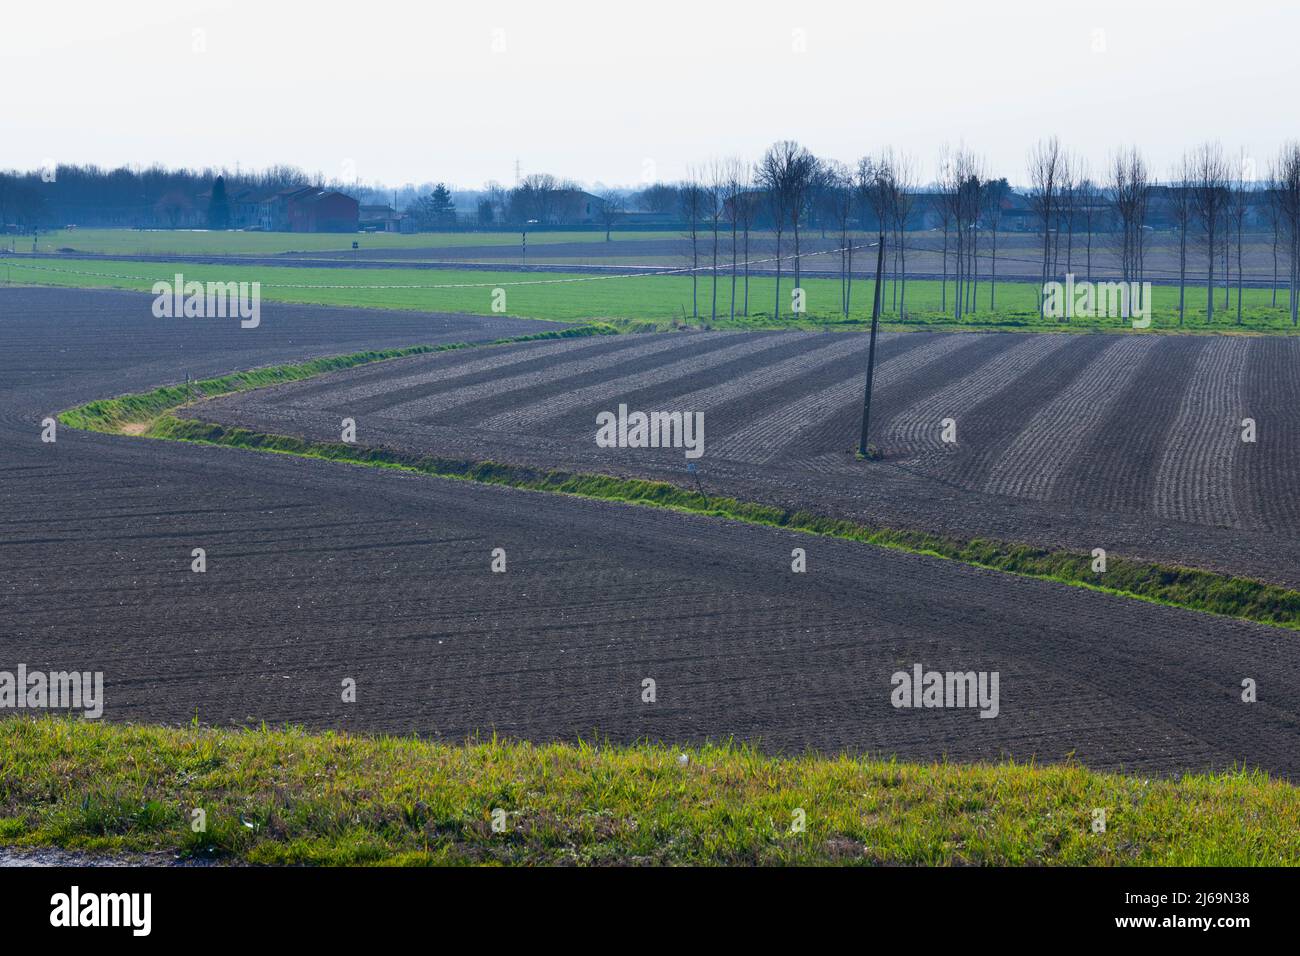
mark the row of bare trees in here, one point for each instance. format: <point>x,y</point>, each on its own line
<point>1207,198</point>
<point>782,189</point>
<point>1284,187</point>
<point>1209,195</point>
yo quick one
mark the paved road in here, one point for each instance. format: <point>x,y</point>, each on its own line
<point>319,573</point>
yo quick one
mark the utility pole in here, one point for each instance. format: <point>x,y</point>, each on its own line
<point>871,349</point>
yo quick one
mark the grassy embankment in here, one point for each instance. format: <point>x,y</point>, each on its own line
<point>120,415</point>
<point>292,797</point>
<point>658,301</point>
<point>149,414</point>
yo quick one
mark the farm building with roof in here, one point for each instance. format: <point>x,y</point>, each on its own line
<point>310,209</point>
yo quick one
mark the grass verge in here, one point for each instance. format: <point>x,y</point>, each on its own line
<point>293,797</point>
<point>113,415</point>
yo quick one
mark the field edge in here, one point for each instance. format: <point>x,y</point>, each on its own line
<point>290,796</point>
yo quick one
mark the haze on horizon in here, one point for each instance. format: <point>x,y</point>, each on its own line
<point>385,93</point>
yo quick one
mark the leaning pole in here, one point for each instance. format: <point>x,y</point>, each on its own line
<point>871,349</point>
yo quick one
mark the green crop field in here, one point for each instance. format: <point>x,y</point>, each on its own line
<point>149,242</point>
<point>634,299</point>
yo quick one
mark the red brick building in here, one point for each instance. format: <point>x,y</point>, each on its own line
<point>310,209</point>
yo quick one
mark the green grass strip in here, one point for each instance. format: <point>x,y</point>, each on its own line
<point>293,797</point>
<point>1189,588</point>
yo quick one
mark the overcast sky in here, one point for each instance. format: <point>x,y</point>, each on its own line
<point>617,93</point>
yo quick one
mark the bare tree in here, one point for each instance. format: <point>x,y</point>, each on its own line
<point>904,198</point>
<point>996,194</point>
<point>612,208</point>
<point>1273,213</point>
<point>942,209</point>
<point>772,175</point>
<point>658,197</point>
<point>875,186</point>
<point>803,175</point>
<point>1067,209</point>
<point>1130,195</point>
<point>1209,188</point>
<point>692,207</point>
<point>769,176</point>
<point>536,198</point>
<point>1287,184</point>
<point>787,173</point>
<point>746,212</point>
<point>973,201</point>
<point>1087,203</point>
<point>735,195</point>
<point>1044,187</point>
<point>822,204</point>
<point>1180,208</point>
<point>715,187</point>
<point>837,184</point>
<point>962,188</point>
<point>1237,221</point>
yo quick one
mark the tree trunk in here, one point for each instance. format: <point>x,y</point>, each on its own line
<point>745,311</point>
<point>713,309</point>
<point>695,275</point>
<point>1182,273</point>
<point>943,304</point>
<point>902,295</point>
<point>993,278</point>
<point>776,308</point>
<point>848,285</point>
<point>1239,237</point>
<point>1275,267</point>
<point>733,271</point>
<point>1209,282</point>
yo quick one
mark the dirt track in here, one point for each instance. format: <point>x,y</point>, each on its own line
<point>318,572</point>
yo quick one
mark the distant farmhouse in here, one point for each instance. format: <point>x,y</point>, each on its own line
<point>309,209</point>
<point>573,206</point>
<point>296,209</point>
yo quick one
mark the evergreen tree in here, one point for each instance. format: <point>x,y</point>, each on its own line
<point>434,211</point>
<point>219,206</point>
<point>444,210</point>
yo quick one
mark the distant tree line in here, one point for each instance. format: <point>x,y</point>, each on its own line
<point>1207,201</point>
<point>152,196</point>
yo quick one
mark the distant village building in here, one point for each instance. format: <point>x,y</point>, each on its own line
<point>559,207</point>
<point>385,219</point>
<point>575,207</point>
<point>245,208</point>
<point>309,209</point>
